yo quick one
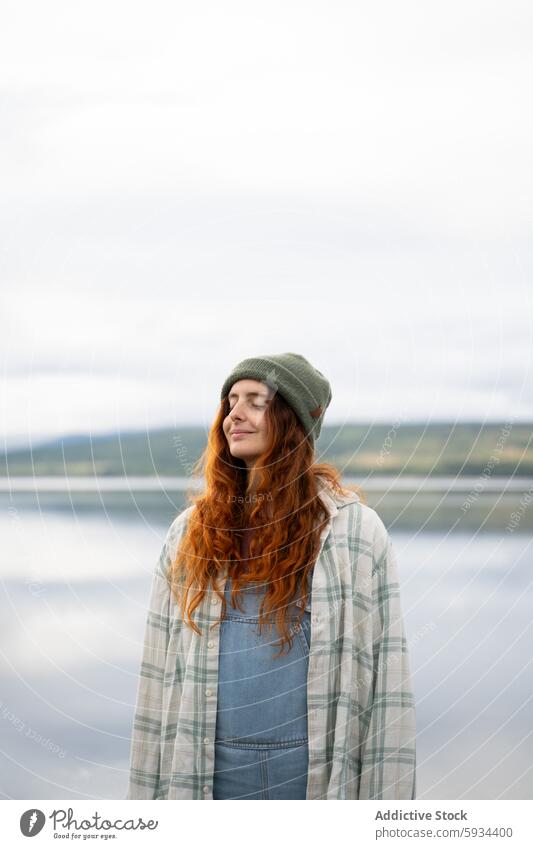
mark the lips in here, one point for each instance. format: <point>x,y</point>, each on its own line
<point>239,432</point>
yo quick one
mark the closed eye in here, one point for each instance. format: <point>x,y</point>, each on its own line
<point>257,406</point>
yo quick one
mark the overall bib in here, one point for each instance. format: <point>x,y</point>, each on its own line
<point>261,749</point>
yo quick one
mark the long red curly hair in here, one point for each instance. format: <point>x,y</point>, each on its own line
<point>275,501</point>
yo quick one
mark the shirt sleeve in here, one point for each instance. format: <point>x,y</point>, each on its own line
<point>388,750</point>
<point>144,772</point>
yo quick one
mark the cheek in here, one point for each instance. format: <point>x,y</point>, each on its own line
<point>262,426</point>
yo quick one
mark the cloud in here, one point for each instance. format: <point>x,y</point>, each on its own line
<point>182,190</point>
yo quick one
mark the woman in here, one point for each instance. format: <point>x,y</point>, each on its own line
<point>274,554</point>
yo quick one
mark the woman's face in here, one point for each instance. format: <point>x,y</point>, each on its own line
<point>245,424</point>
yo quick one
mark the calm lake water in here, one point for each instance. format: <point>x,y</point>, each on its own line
<point>76,571</point>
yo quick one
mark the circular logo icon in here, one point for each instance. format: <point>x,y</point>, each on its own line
<point>31,822</point>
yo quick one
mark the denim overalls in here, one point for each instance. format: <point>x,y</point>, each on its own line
<point>261,739</point>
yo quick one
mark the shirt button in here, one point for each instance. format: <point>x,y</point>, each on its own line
<point>210,644</point>
<point>205,788</point>
<point>206,740</point>
<point>215,599</point>
<point>209,692</point>
<point>316,619</point>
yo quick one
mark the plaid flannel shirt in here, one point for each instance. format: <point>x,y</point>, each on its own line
<point>361,711</point>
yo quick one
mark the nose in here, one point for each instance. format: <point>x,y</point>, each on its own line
<point>235,415</point>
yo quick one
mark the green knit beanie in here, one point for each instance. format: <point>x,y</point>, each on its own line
<point>301,385</point>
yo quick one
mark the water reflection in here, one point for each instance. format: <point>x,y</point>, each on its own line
<point>75,581</point>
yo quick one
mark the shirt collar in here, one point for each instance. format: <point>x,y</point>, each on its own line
<point>331,500</point>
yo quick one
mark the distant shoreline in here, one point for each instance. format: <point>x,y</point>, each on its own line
<point>362,453</point>
<point>377,483</point>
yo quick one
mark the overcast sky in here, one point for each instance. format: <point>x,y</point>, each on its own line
<point>188,184</point>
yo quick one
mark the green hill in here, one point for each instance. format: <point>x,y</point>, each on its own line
<point>380,449</point>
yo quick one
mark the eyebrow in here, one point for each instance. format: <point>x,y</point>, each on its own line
<point>247,395</point>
